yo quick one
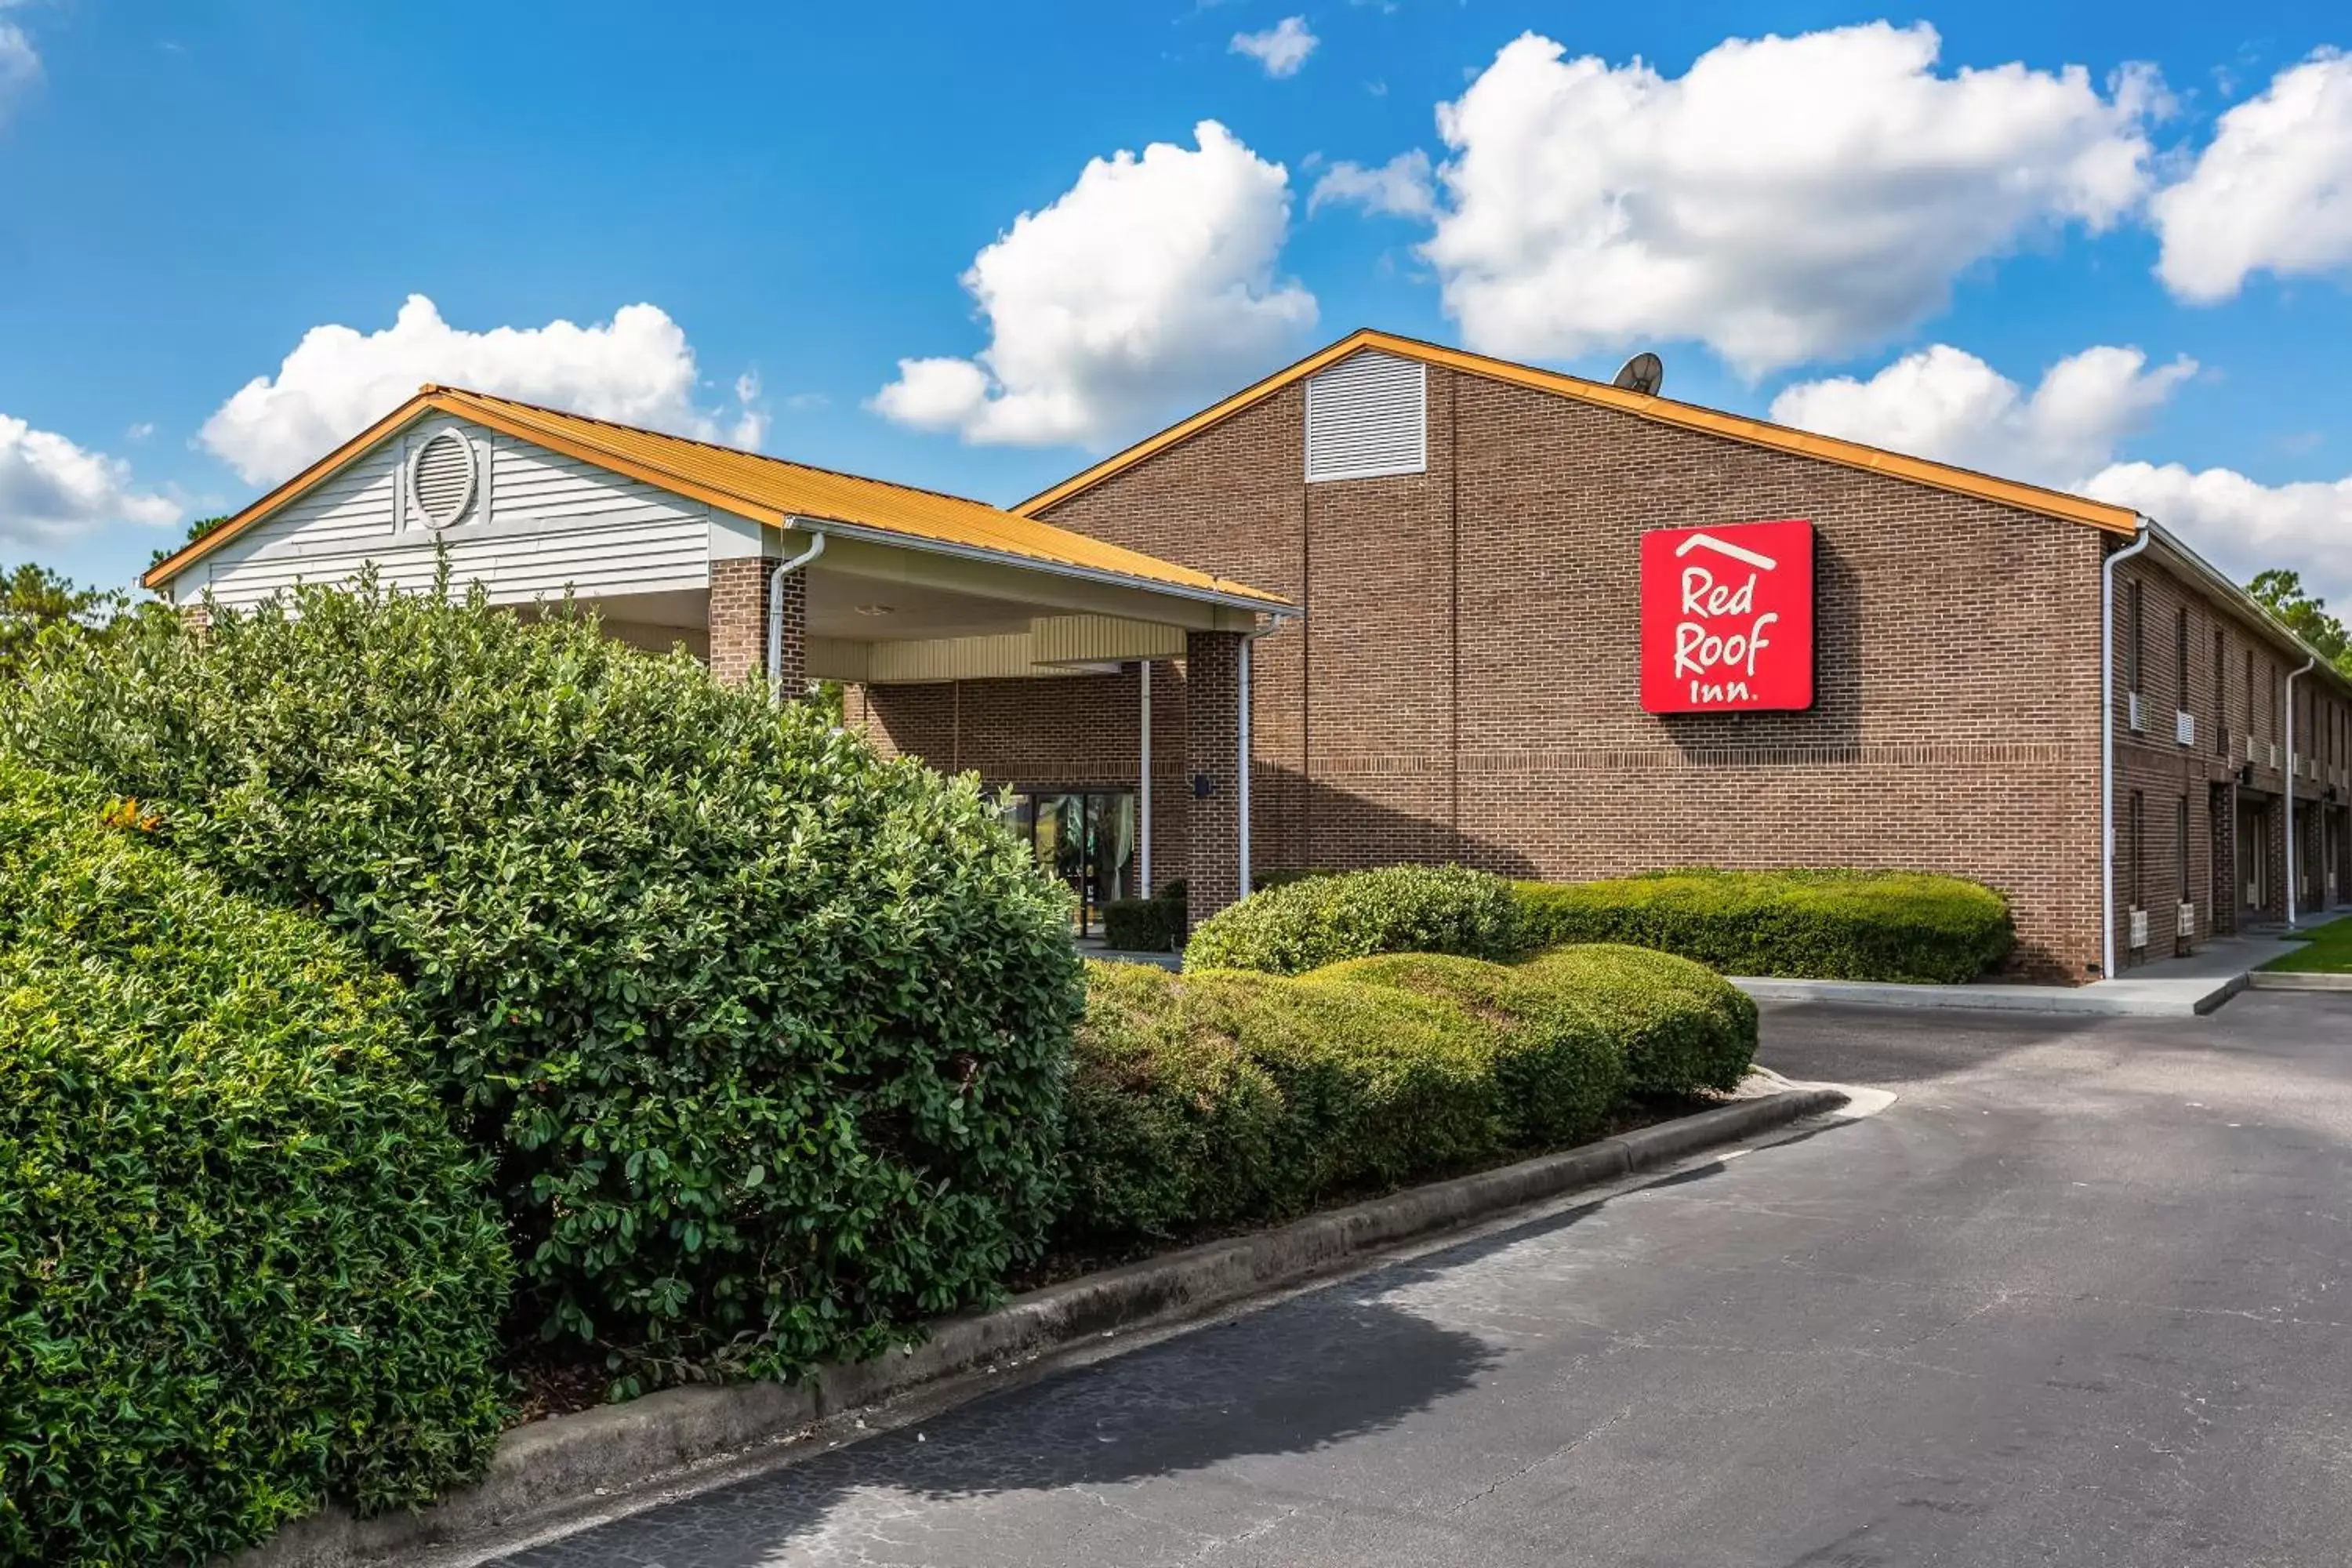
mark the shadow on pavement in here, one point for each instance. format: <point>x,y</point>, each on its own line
<point>1299,1376</point>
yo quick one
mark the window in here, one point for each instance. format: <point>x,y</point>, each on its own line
<point>2180,846</point>
<point>2250,691</point>
<point>2180,657</point>
<point>2138,850</point>
<point>2221,698</point>
<point>2136,645</point>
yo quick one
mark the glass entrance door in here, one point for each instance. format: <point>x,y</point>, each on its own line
<point>1086,839</point>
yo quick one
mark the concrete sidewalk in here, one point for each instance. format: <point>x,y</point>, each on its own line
<point>2167,988</point>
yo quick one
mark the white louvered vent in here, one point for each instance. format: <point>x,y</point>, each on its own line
<point>441,479</point>
<point>1368,415</point>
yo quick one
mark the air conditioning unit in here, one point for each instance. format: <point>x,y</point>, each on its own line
<point>2138,928</point>
<point>2184,728</point>
<point>2188,921</point>
<point>2135,708</point>
<point>2274,753</point>
<point>2253,750</point>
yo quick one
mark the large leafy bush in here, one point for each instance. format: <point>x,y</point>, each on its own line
<point>1822,925</point>
<point>1298,926</point>
<point>767,1034</point>
<point>1217,1096</point>
<point>245,1264</point>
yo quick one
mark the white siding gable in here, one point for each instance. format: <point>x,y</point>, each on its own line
<point>539,523</point>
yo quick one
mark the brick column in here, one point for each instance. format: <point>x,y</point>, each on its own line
<point>1211,750</point>
<point>738,622</point>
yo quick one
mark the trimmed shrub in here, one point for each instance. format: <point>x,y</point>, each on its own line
<point>1144,925</point>
<point>245,1264</point>
<point>1822,925</point>
<point>1208,1098</point>
<point>767,1034</point>
<point>1216,1097</point>
<point>1317,921</point>
<point>1681,1028</point>
<point>1558,1060</point>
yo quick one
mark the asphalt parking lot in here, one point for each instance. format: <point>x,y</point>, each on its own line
<point>2079,1296</point>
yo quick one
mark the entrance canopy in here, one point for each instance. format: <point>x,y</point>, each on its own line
<point>659,532</point>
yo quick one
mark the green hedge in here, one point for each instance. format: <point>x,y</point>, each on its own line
<point>245,1264</point>
<point>1216,1097</point>
<point>1681,1027</point>
<point>1823,925</point>
<point>1208,1098</point>
<point>1557,1051</point>
<point>767,1034</point>
<point>1303,925</point>
<point>1144,925</point>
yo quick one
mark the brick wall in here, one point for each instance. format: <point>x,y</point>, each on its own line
<point>2231,692</point>
<point>738,622</point>
<point>1464,684</point>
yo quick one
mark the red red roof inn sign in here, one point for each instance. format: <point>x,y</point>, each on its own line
<point>1728,617</point>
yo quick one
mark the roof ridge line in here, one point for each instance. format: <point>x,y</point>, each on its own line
<point>431,389</point>
<point>1934,473</point>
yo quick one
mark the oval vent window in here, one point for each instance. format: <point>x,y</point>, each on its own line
<point>441,479</point>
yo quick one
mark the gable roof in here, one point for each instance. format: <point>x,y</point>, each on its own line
<point>1659,410</point>
<point>765,490</point>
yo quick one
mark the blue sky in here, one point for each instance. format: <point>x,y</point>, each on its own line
<point>1889,223</point>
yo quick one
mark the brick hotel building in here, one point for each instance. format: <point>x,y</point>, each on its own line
<point>1447,608</point>
<point>1463,538</point>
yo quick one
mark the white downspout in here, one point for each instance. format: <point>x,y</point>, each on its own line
<point>1244,785</point>
<point>776,605</point>
<point>1143,794</point>
<point>2292,677</point>
<point>1244,835</point>
<point>2107,746</point>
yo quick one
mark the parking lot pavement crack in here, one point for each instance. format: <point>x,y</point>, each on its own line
<point>1563,1451</point>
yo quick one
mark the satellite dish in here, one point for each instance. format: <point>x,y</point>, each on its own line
<point>1644,373</point>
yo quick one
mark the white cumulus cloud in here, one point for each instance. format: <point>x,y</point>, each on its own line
<point>1281,49</point>
<point>2273,192</point>
<point>1947,404</point>
<point>2244,526</point>
<point>1401,186</point>
<point>20,67</point>
<point>635,369</point>
<point>52,490</point>
<point>1149,284</point>
<point>1785,198</point>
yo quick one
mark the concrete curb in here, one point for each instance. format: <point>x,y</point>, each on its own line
<point>2293,980</point>
<point>2124,999</point>
<point>567,1465</point>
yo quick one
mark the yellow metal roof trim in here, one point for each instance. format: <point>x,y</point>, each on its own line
<point>1659,410</point>
<point>196,550</point>
<point>766,490</point>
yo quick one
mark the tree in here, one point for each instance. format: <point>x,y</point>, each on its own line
<point>2282,593</point>
<point>33,598</point>
<point>196,531</point>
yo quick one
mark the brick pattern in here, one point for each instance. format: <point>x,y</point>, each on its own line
<point>1210,852</point>
<point>1464,684</point>
<point>738,622</point>
<point>2237,806</point>
<point>1046,733</point>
